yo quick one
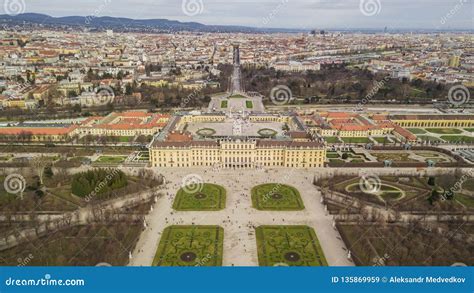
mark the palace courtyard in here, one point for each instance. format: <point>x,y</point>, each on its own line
<point>240,221</point>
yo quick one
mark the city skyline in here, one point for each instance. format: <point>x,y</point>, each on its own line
<point>299,14</point>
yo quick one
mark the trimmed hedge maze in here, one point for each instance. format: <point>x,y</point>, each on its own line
<point>190,246</point>
<point>289,246</point>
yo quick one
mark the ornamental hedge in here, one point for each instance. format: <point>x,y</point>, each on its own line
<point>97,182</point>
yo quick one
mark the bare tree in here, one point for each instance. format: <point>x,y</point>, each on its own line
<point>38,164</point>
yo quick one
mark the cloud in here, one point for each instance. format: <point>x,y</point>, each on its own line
<point>280,13</point>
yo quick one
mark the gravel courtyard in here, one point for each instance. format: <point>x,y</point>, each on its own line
<point>239,218</point>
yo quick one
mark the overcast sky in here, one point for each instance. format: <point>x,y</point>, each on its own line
<point>428,14</point>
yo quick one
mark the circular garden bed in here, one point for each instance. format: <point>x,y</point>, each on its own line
<point>267,132</point>
<point>206,132</point>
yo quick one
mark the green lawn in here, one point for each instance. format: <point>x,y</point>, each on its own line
<point>64,192</point>
<point>444,130</point>
<point>332,139</point>
<point>418,93</point>
<point>387,192</point>
<point>458,139</point>
<point>466,200</point>
<point>111,159</point>
<point>237,97</point>
<point>416,130</point>
<point>332,155</point>
<point>224,104</point>
<point>190,246</point>
<point>468,185</point>
<point>289,246</point>
<point>356,140</point>
<point>381,140</point>
<point>392,156</point>
<point>249,104</point>
<point>276,197</point>
<point>126,138</point>
<point>208,197</point>
<point>391,195</point>
<point>469,129</point>
<point>337,161</point>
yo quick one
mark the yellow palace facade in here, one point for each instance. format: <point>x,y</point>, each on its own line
<point>238,154</point>
<point>433,121</point>
<point>235,143</point>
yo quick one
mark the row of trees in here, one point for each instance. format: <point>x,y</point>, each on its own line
<point>27,136</point>
<point>412,245</point>
<point>341,84</point>
<point>105,139</point>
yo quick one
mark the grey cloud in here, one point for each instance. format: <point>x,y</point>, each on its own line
<point>280,13</point>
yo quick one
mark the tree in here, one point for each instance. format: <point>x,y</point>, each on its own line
<point>39,164</point>
<point>128,89</point>
<point>76,108</point>
<point>142,139</point>
<point>48,172</point>
<point>434,196</point>
<point>72,94</point>
<point>120,75</point>
<point>432,181</point>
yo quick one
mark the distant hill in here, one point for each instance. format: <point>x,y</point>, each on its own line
<point>127,24</point>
